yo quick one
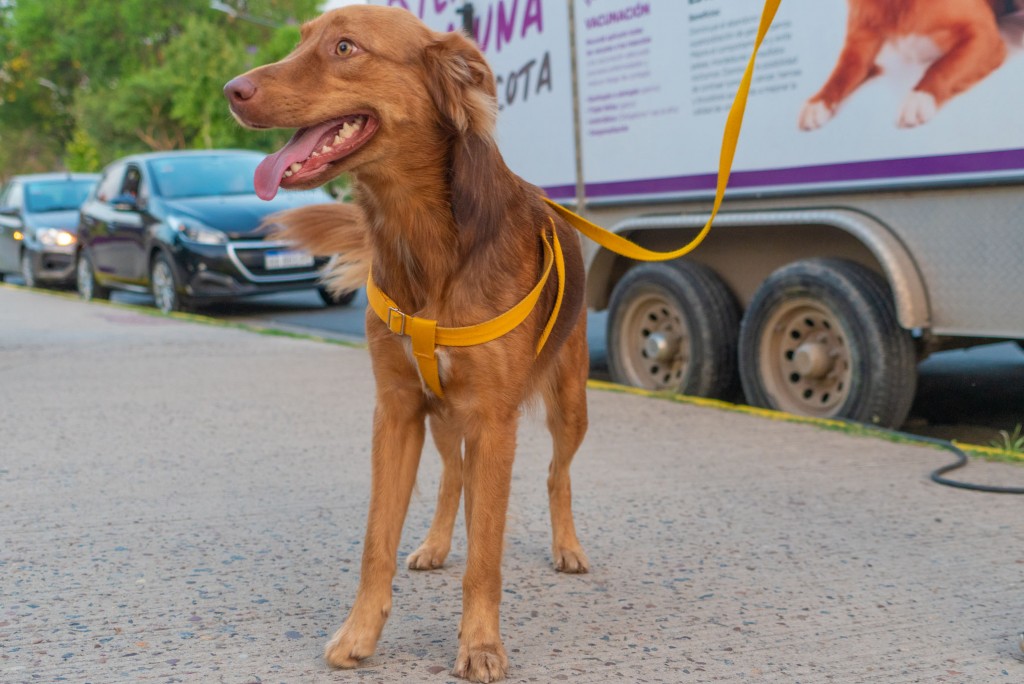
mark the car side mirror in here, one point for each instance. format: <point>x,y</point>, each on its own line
<point>8,211</point>
<point>125,203</point>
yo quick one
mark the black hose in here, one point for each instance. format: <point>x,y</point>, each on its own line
<point>960,462</point>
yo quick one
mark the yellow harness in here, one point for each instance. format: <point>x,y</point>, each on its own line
<point>425,333</point>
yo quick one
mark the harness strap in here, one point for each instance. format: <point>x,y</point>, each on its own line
<point>426,334</point>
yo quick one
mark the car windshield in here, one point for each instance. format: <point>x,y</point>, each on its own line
<point>58,195</point>
<point>204,176</point>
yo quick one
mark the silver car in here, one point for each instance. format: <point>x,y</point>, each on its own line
<point>38,226</point>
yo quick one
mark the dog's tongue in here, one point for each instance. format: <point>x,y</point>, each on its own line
<point>270,171</point>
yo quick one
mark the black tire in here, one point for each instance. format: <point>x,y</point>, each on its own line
<point>85,279</point>
<point>165,286</point>
<point>28,270</point>
<point>674,327</point>
<point>821,338</point>
<point>344,299</point>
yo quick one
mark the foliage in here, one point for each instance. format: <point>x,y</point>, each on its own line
<point>83,82</point>
<point>81,153</point>
<point>1010,441</point>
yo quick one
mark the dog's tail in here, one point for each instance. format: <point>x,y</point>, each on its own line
<point>338,230</point>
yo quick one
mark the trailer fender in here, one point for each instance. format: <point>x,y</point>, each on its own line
<point>897,264</point>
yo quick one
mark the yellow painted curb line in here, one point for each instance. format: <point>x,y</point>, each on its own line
<point>990,453</point>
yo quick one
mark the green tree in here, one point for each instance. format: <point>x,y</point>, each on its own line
<point>81,154</point>
<point>132,75</point>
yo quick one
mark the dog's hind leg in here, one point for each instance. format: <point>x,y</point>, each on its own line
<point>565,397</point>
<point>434,549</point>
<point>979,52</point>
<point>398,433</point>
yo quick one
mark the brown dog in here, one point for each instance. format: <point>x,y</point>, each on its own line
<point>453,236</point>
<point>959,38</point>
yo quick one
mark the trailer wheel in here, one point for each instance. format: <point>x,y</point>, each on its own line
<point>674,327</point>
<point>821,338</point>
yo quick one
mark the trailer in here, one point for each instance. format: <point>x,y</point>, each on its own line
<point>865,225</point>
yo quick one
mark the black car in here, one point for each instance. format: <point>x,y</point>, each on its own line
<point>186,226</point>
<point>38,218</point>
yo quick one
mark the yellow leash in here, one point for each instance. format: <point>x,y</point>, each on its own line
<point>730,139</point>
<point>427,335</point>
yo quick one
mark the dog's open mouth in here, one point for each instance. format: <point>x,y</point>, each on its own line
<point>310,151</point>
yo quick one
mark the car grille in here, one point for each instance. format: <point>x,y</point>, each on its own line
<point>250,258</point>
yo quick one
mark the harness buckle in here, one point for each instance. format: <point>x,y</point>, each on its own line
<point>393,312</point>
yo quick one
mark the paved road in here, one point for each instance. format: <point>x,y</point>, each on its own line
<point>185,502</point>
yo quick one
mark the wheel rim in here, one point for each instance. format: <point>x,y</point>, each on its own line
<point>654,342</point>
<point>84,278</point>
<point>163,287</point>
<point>27,274</point>
<point>804,359</point>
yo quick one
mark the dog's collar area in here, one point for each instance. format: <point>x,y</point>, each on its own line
<point>426,335</point>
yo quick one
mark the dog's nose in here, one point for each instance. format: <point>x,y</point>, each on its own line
<point>239,89</point>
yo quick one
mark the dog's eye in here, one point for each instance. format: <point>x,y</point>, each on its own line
<point>345,48</point>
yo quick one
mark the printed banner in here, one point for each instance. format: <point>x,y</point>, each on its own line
<point>657,77</point>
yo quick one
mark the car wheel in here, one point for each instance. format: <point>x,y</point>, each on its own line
<point>821,338</point>
<point>344,299</point>
<point>28,269</point>
<point>674,327</point>
<point>85,280</point>
<point>164,285</point>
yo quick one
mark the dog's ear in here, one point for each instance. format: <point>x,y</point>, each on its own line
<point>462,85</point>
<point>463,88</point>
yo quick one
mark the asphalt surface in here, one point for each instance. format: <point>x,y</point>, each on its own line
<point>184,502</point>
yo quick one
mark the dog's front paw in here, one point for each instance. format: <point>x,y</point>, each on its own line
<point>917,109</point>
<point>814,115</point>
<point>481,663</point>
<point>571,560</point>
<point>349,645</point>
<point>428,557</point>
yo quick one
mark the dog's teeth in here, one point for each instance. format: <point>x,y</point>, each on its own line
<point>338,139</point>
<point>346,131</point>
<point>294,168</point>
<point>325,149</point>
<point>315,154</point>
<point>288,173</point>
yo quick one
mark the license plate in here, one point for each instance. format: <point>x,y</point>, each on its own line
<point>287,259</point>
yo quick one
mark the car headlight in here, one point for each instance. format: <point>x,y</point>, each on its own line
<point>195,231</point>
<point>55,237</point>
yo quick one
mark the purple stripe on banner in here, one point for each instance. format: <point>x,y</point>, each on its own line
<point>978,162</point>
<point>560,191</point>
